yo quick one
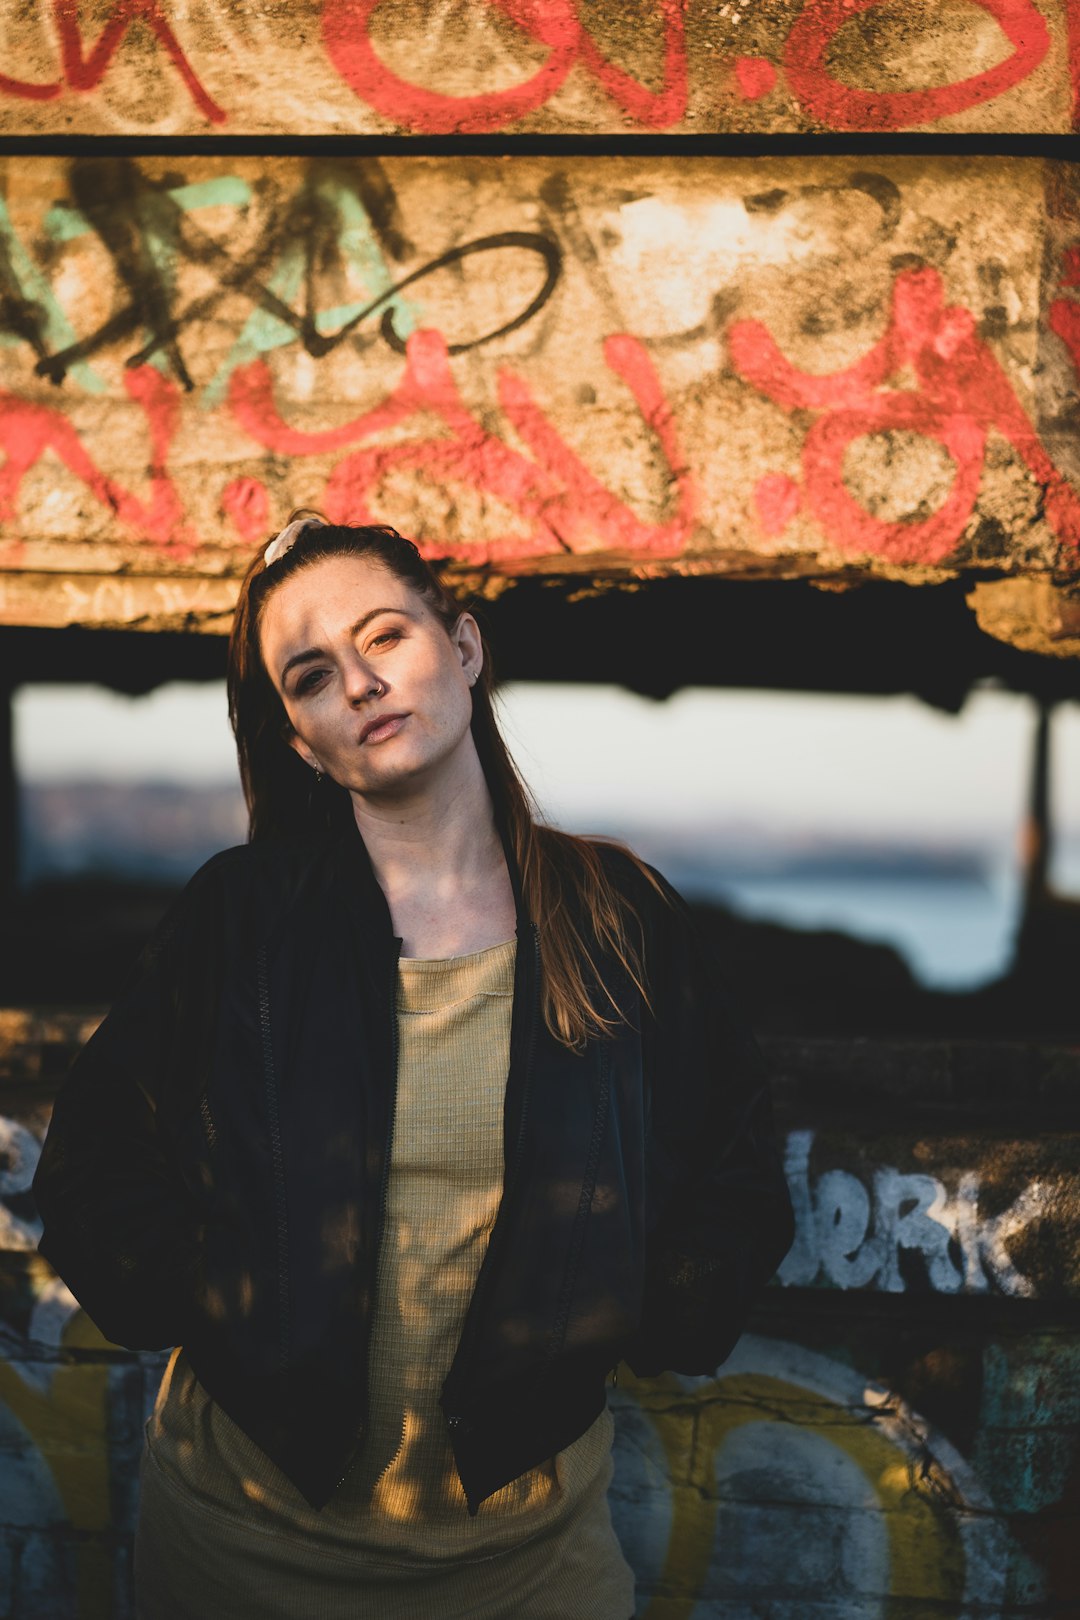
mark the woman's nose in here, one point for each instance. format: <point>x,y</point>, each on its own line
<point>361,681</point>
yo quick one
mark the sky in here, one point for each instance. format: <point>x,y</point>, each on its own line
<point>885,766</point>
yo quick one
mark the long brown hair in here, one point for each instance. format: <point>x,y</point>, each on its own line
<point>556,867</point>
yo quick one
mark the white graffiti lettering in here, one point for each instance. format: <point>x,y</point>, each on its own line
<point>847,1235</point>
<point>19,1154</point>
<point>852,1236</point>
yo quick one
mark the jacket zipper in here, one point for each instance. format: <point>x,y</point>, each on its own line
<point>209,1128</point>
<point>526,1089</point>
<point>273,1113</point>
<point>384,1195</point>
<point>456,1420</point>
<point>384,1180</point>
<point>588,1186</point>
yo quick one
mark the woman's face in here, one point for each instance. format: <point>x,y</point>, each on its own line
<point>376,691</point>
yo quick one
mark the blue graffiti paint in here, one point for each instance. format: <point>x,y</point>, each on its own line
<point>263,330</point>
<point>361,252</point>
<point>57,329</point>
<point>64,223</point>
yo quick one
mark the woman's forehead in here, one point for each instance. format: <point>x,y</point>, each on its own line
<point>328,597</point>
<point>335,586</point>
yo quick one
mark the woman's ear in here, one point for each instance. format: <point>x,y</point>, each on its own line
<point>466,637</point>
<point>302,749</point>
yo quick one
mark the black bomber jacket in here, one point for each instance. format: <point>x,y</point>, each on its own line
<point>215,1172</point>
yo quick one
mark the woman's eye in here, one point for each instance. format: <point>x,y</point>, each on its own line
<point>308,682</point>
<point>386,638</point>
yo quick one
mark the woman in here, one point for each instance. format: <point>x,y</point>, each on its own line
<point>416,1118</point>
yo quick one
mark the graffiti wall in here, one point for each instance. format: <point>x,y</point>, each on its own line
<point>757,367</point>
<point>896,1437</point>
<point>797,1485</point>
<point>425,67</point>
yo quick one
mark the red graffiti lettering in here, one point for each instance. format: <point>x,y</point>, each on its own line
<point>28,430</point>
<point>755,76</point>
<point>85,72</point>
<point>1072,23</point>
<point>562,504</point>
<point>1064,318</point>
<point>554,24</point>
<point>963,393</point>
<point>777,499</point>
<point>843,107</point>
<point>247,503</point>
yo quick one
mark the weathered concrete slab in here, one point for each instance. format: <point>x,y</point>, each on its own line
<point>1033,614</point>
<point>757,368</point>
<point>835,1469</point>
<point>589,66</point>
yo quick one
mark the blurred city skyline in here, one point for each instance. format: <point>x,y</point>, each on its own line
<point>890,766</point>
<point>878,816</point>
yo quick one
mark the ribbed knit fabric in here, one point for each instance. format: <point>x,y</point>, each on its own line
<point>395,1541</point>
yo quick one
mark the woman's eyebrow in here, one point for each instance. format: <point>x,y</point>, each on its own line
<point>309,653</point>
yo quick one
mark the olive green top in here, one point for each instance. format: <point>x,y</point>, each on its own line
<point>401,1505</point>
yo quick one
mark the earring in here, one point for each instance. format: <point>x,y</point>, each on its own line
<point>318,776</point>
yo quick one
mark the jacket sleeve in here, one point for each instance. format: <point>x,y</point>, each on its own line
<point>119,1226</point>
<point>725,1218</point>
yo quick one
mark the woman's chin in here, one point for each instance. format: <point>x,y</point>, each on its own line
<point>397,778</point>
<point>397,768</point>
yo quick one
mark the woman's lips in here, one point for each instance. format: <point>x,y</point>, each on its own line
<point>382,727</point>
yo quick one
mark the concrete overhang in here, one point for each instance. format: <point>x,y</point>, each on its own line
<point>829,369</point>
<point>424,68</point>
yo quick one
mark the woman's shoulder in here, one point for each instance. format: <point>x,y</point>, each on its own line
<point>225,871</point>
<point>264,874</point>
<point>642,890</point>
<point>640,884</point>
<point>269,859</point>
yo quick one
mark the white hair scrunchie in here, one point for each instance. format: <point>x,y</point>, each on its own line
<point>288,536</point>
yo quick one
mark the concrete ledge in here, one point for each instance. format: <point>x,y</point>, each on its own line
<point>825,368</point>
<point>420,68</point>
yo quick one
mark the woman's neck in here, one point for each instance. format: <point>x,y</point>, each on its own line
<point>439,860</point>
